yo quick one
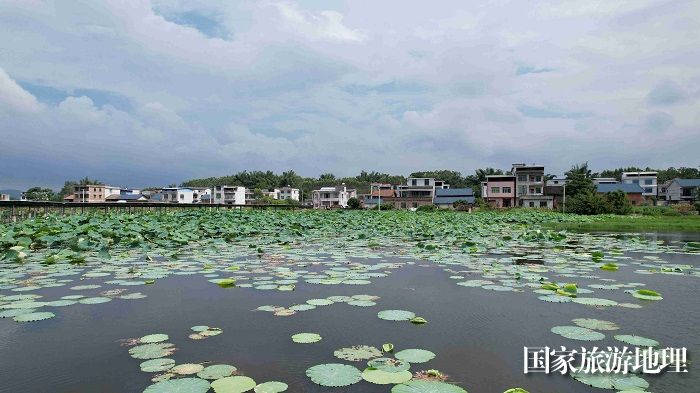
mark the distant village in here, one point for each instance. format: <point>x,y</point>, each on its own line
<point>524,186</point>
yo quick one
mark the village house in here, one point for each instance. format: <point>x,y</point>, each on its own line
<point>185,194</point>
<point>556,188</point>
<point>499,191</point>
<point>645,179</point>
<point>633,191</point>
<point>288,192</point>
<point>332,197</point>
<point>604,180</point>
<point>682,191</point>
<point>228,195</point>
<point>4,197</point>
<point>445,198</point>
<point>123,198</point>
<point>418,191</point>
<point>529,186</point>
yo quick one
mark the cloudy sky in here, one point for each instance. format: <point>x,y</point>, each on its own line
<point>154,92</point>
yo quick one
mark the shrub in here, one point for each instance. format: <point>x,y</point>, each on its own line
<point>461,205</point>
<point>354,203</point>
<point>589,203</point>
<point>685,209</point>
<point>427,208</point>
<point>618,203</point>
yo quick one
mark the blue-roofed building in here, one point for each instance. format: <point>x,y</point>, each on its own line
<point>123,198</point>
<point>446,197</point>
<point>633,191</point>
<point>682,190</point>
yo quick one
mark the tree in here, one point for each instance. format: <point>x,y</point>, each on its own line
<point>86,180</point>
<point>354,203</point>
<point>618,202</point>
<point>290,178</point>
<point>580,180</point>
<point>39,194</point>
<point>587,202</point>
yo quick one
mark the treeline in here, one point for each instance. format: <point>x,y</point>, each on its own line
<point>268,179</point>
<point>663,176</point>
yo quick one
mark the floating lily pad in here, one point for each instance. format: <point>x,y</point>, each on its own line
<point>181,385</point>
<point>426,387</point>
<point>595,324</point>
<point>638,341</point>
<point>381,377</point>
<point>236,384</point>
<point>612,381</point>
<point>334,374</point>
<point>592,301</point>
<point>154,338</point>
<point>157,365</point>
<point>34,316</point>
<point>389,365</point>
<point>306,338</point>
<point>578,333</point>
<point>187,369</point>
<point>152,351</point>
<point>396,315</point>
<point>414,355</point>
<point>271,387</point>
<point>357,353</point>
<point>216,371</point>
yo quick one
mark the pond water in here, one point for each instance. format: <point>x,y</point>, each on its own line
<point>477,333</point>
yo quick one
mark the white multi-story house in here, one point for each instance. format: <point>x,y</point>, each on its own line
<point>329,197</point>
<point>645,179</point>
<point>604,180</point>
<point>529,186</point>
<point>288,193</point>
<point>178,195</point>
<point>229,195</point>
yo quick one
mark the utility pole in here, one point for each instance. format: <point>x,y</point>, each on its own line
<point>563,206</point>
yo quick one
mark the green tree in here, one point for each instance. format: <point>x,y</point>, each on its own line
<point>39,194</point>
<point>587,202</point>
<point>580,180</point>
<point>354,203</point>
<point>618,202</point>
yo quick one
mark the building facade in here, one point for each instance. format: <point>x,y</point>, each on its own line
<point>632,191</point>
<point>499,191</point>
<point>445,198</point>
<point>332,197</point>
<point>646,179</point>
<point>682,190</point>
<point>417,191</point>
<point>286,193</point>
<point>228,195</point>
<point>529,186</point>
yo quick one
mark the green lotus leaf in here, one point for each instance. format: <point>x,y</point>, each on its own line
<point>388,347</point>
<point>319,302</point>
<point>154,338</point>
<point>516,390</point>
<point>235,384</point>
<point>418,321</point>
<point>152,351</point>
<point>414,355</point>
<point>595,324</point>
<point>637,341</point>
<point>306,338</point>
<point>381,377</point>
<point>416,386</point>
<point>389,365</point>
<point>357,353</point>
<point>216,371</point>
<point>612,381</point>
<point>271,387</point>
<point>157,365</point>
<point>578,333</point>
<point>592,301</point>
<point>34,316</point>
<point>187,369</point>
<point>334,374</point>
<point>181,385</point>
<point>396,315</point>
<point>95,300</point>
<point>362,303</point>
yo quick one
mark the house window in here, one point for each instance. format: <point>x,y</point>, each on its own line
<point>414,204</point>
<point>403,205</point>
<point>543,204</point>
<point>414,182</point>
<point>648,190</point>
<point>506,190</point>
<point>426,182</point>
<point>495,190</point>
<point>506,203</point>
<point>182,196</point>
<point>522,190</point>
<point>648,182</point>
<point>635,181</point>
<point>538,178</point>
<point>532,204</point>
<point>218,195</point>
<point>538,190</point>
<point>522,178</point>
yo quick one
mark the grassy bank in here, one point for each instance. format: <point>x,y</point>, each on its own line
<point>633,224</point>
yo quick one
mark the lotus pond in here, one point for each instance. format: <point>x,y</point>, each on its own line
<point>341,301</point>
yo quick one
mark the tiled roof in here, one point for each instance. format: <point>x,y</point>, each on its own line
<point>626,188</point>
<point>688,182</point>
<point>448,192</point>
<point>448,200</point>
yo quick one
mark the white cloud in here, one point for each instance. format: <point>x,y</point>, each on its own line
<point>14,97</point>
<point>323,25</point>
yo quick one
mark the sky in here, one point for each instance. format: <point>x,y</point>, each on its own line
<point>148,93</point>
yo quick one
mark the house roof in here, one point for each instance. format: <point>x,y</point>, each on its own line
<point>383,193</point>
<point>448,200</point>
<point>624,187</point>
<point>449,192</point>
<point>125,197</point>
<point>688,182</point>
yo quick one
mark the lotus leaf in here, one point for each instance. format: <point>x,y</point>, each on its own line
<point>357,353</point>
<point>271,387</point>
<point>152,351</point>
<point>414,355</point>
<point>334,374</point>
<point>157,365</point>
<point>216,371</point>
<point>396,315</point>
<point>417,386</point>
<point>595,324</point>
<point>235,384</point>
<point>637,341</point>
<point>381,377</point>
<point>578,333</point>
<point>182,385</point>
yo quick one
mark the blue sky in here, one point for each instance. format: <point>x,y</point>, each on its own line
<point>157,92</point>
